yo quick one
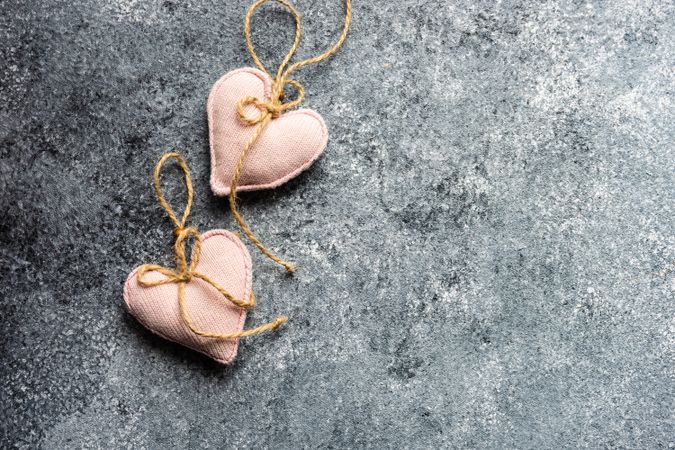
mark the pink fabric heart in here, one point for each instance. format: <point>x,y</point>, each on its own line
<point>288,145</point>
<point>226,261</point>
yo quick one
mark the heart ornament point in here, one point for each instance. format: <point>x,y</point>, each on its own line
<point>288,144</point>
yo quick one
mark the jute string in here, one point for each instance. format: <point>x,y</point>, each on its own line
<point>273,107</point>
<point>184,271</point>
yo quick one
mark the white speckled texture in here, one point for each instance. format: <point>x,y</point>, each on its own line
<point>485,250</point>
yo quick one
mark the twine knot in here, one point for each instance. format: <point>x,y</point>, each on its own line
<point>269,109</point>
<point>177,232</point>
<point>274,106</point>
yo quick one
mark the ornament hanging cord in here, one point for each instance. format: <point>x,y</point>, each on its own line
<point>273,108</point>
<point>185,272</point>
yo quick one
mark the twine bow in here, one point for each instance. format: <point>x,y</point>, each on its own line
<point>184,271</point>
<point>272,108</point>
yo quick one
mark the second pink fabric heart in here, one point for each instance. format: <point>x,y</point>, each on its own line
<point>288,145</point>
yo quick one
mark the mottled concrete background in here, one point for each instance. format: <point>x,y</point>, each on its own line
<point>485,250</point>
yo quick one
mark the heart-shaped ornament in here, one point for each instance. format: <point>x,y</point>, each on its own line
<point>226,261</point>
<point>288,144</point>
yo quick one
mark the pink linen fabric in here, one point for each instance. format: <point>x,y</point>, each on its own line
<point>225,260</point>
<point>288,145</point>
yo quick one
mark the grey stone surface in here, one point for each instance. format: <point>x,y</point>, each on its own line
<point>485,250</point>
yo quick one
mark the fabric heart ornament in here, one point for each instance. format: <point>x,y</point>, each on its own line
<point>287,145</point>
<point>201,303</point>
<point>224,260</point>
<point>256,141</point>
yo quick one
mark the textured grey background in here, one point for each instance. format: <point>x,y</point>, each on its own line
<point>485,250</point>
